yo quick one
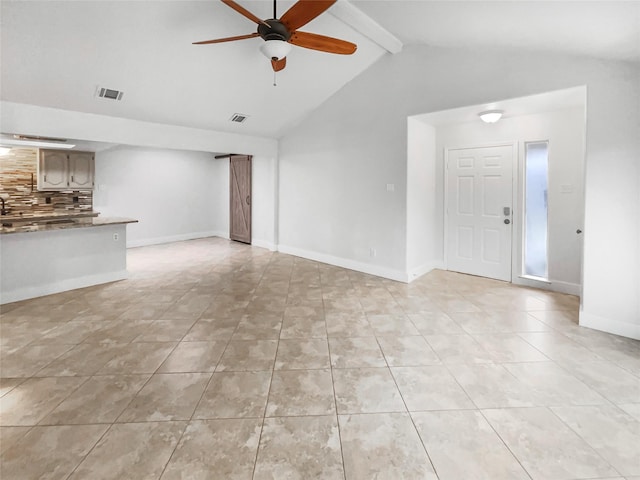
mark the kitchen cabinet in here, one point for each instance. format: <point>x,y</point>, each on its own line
<point>81,166</point>
<point>65,170</point>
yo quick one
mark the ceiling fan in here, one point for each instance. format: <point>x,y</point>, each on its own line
<point>280,33</point>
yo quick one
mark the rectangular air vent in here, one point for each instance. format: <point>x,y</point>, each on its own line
<point>239,117</point>
<point>109,93</point>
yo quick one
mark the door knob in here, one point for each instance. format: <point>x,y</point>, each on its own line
<point>507,221</point>
<point>578,231</point>
<point>248,202</point>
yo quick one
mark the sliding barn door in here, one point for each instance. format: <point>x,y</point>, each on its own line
<point>240,201</point>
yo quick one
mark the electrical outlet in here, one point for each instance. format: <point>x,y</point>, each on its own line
<point>372,252</point>
<point>115,237</point>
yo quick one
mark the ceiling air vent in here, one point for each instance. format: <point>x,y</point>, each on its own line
<point>109,93</point>
<point>239,117</point>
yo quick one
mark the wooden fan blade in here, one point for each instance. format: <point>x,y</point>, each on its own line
<point>228,39</point>
<point>303,12</point>
<point>243,11</point>
<point>279,64</point>
<point>322,43</point>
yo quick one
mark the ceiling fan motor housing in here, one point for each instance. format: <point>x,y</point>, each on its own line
<point>275,31</point>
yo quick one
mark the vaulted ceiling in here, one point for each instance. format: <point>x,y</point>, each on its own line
<point>56,53</point>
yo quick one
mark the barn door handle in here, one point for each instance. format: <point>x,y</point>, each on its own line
<point>248,202</point>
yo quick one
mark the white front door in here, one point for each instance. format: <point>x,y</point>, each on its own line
<point>479,211</point>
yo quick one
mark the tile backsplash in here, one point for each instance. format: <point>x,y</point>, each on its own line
<point>18,187</point>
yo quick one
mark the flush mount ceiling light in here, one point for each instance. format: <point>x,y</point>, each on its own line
<point>275,49</point>
<point>491,116</point>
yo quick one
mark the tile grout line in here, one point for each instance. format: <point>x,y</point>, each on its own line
<point>433,467</point>
<point>266,403</point>
<point>333,385</point>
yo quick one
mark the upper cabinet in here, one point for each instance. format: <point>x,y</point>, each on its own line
<point>65,170</point>
<point>81,170</point>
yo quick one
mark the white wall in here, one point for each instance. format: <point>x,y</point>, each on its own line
<point>565,132</point>
<point>423,232</point>
<point>334,205</point>
<point>171,193</point>
<point>264,201</point>
<point>334,166</point>
<point>220,192</point>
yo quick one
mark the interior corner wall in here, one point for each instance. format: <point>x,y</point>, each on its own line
<point>612,205</point>
<point>264,202</point>
<point>564,129</point>
<point>171,193</point>
<point>220,194</point>
<point>422,219</point>
<point>334,166</point>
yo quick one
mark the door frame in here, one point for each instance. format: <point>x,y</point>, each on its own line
<point>515,203</point>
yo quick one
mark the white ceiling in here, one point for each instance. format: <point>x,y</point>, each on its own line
<point>55,53</point>
<point>606,29</point>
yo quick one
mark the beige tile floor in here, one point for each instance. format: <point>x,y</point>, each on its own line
<point>216,360</point>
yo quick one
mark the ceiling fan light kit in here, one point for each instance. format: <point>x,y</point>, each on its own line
<point>280,33</point>
<point>275,49</point>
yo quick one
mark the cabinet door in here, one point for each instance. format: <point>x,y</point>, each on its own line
<point>53,172</point>
<point>81,170</point>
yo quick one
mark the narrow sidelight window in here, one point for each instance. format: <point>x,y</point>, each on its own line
<point>536,209</point>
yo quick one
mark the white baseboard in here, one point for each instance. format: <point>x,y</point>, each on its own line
<point>423,269</point>
<point>376,270</point>
<point>624,329</point>
<point>60,286</point>
<point>567,287</point>
<point>174,238</point>
<point>264,244</point>
<point>551,285</point>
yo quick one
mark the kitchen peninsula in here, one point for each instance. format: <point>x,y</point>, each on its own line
<point>53,241</point>
<point>55,255</point>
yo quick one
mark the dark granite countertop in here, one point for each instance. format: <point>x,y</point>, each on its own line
<point>73,222</point>
<point>32,218</point>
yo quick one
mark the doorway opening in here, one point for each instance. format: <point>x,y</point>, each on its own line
<point>545,217</point>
